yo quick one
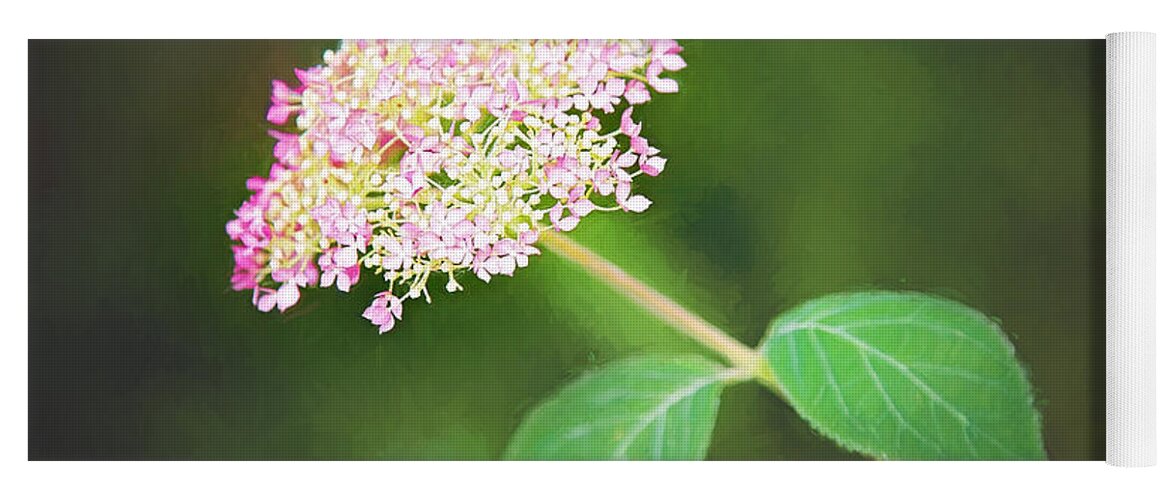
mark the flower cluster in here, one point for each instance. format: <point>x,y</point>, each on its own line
<point>428,158</point>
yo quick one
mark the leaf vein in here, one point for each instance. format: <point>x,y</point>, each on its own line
<point>894,363</point>
<point>660,410</point>
<point>894,409</point>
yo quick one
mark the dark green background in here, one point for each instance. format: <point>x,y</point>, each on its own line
<point>971,169</point>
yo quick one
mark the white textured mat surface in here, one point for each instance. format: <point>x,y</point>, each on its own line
<point>1130,215</point>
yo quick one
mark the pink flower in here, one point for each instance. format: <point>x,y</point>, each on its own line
<point>424,158</point>
<point>664,85</point>
<point>343,222</point>
<point>607,94</point>
<point>254,233</point>
<point>278,114</point>
<point>302,272</point>
<point>399,251</point>
<point>315,76</point>
<point>560,221</point>
<point>284,103</point>
<point>281,93</point>
<point>351,133</point>
<point>476,99</point>
<point>642,147</point>
<point>288,148</point>
<point>515,253</point>
<point>653,166</point>
<point>628,127</point>
<point>666,53</point>
<point>249,262</point>
<point>388,86</point>
<point>283,298</point>
<point>484,264</point>
<point>636,92</point>
<point>383,311</point>
<point>636,203</point>
<point>558,180</point>
<point>340,265</point>
<point>581,208</point>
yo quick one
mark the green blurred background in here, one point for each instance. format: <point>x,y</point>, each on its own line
<point>971,169</point>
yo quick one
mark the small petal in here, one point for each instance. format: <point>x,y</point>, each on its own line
<point>396,307</point>
<point>581,208</point>
<point>672,62</point>
<point>662,85</point>
<point>346,257</point>
<point>282,94</point>
<point>287,295</point>
<point>626,159</point>
<point>653,166</point>
<point>278,114</point>
<point>637,203</point>
<point>636,92</point>
<point>567,224</point>
<point>628,127</point>
<point>665,85</point>
<point>266,302</point>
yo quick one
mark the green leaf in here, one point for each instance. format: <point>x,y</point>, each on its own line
<point>645,408</point>
<point>899,375</point>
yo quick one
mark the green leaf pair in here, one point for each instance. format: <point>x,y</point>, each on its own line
<point>892,375</point>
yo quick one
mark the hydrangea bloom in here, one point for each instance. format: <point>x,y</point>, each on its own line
<point>424,158</point>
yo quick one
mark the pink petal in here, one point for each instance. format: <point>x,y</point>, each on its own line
<point>623,63</point>
<point>282,94</point>
<point>639,145</point>
<point>636,92</point>
<point>288,295</point>
<point>346,257</point>
<point>288,146</point>
<point>637,203</point>
<point>622,191</point>
<point>615,87</point>
<point>672,62</point>
<point>278,114</point>
<point>235,229</point>
<point>255,183</point>
<point>567,224</point>
<point>665,46</point>
<point>627,159</point>
<point>266,302</point>
<point>654,166</point>
<point>508,266</point>
<point>581,208</point>
<point>665,85</point>
<point>628,126</point>
<point>396,307</point>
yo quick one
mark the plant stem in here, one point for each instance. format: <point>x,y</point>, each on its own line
<point>707,334</point>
